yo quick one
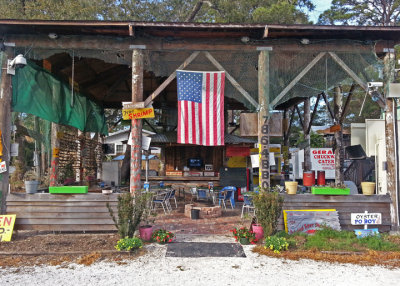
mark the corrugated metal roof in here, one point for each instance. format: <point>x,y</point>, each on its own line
<point>122,28</point>
<point>170,137</point>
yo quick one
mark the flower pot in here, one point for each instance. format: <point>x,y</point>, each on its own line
<point>368,188</point>
<point>244,241</point>
<point>145,232</point>
<point>258,231</point>
<point>31,187</point>
<point>291,187</point>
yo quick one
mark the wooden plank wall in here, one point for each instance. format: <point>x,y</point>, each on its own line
<point>345,205</point>
<point>57,212</point>
<point>88,212</point>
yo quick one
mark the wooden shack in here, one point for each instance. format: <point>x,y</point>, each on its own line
<point>115,62</point>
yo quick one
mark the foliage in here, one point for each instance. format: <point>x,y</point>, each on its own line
<point>132,208</point>
<point>276,243</point>
<point>129,244</point>
<point>316,140</point>
<point>244,232</point>
<point>162,236</point>
<point>238,11</point>
<point>268,206</point>
<point>30,175</point>
<point>362,12</point>
<point>330,239</point>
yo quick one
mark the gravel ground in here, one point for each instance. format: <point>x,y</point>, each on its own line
<point>156,269</point>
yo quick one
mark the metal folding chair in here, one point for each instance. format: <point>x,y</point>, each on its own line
<point>248,204</point>
<point>161,199</point>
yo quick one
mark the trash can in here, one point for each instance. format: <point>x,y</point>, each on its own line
<point>195,214</point>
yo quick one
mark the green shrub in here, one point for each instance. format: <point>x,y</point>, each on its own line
<point>276,243</point>
<point>128,244</point>
<point>132,209</point>
<point>268,206</point>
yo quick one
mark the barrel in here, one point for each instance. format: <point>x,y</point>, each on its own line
<point>308,178</point>
<point>321,178</point>
<point>195,214</point>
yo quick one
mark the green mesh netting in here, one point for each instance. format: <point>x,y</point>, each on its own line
<point>327,73</point>
<point>37,92</point>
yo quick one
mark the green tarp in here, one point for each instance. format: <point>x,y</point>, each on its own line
<point>38,92</point>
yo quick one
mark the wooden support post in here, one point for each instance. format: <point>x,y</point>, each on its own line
<point>263,119</point>
<point>390,146</point>
<point>306,123</point>
<point>55,148</point>
<point>5,123</point>
<point>136,128</point>
<point>339,150</point>
<point>285,147</point>
<point>37,147</point>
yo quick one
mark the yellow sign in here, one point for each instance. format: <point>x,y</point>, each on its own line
<point>6,226</point>
<point>137,113</point>
<point>56,152</point>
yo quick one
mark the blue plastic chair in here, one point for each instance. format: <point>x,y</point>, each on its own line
<point>202,194</point>
<point>248,204</point>
<point>227,194</point>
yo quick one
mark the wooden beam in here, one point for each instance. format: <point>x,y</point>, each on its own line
<point>346,105</point>
<point>306,124</point>
<point>232,80</point>
<point>115,85</point>
<point>350,72</point>
<point>301,120</point>
<point>136,127</point>
<point>297,78</point>
<point>328,106</point>
<point>290,123</point>
<point>313,114</point>
<point>151,126</point>
<point>5,123</point>
<point>263,120</point>
<point>339,150</point>
<point>170,78</point>
<point>390,141</point>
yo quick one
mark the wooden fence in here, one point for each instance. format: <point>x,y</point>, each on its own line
<point>88,212</point>
<point>56,212</point>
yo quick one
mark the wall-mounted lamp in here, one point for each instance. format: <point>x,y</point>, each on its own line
<point>53,36</point>
<point>18,62</point>
<point>245,40</point>
<point>305,41</point>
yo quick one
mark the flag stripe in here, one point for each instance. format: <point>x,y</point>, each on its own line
<point>207,102</point>
<point>221,110</point>
<point>215,104</point>
<point>186,121</point>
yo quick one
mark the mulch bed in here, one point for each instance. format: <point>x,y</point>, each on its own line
<point>31,248</point>
<point>369,257</point>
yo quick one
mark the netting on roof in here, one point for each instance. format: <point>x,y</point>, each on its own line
<point>241,65</point>
<point>326,73</point>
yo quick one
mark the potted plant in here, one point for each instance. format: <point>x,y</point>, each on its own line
<point>146,230</point>
<point>31,182</point>
<point>244,236</point>
<point>163,236</point>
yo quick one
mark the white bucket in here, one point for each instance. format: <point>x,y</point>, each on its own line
<point>31,187</point>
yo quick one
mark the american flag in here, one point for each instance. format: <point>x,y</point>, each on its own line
<point>201,108</point>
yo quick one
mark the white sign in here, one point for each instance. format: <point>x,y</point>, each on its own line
<point>322,159</point>
<point>3,167</point>
<point>366,218</point>
<point>146,140</point>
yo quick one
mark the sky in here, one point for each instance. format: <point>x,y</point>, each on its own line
<point>320,6</point>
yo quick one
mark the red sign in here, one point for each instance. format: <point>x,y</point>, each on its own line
<point>237,151</point>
